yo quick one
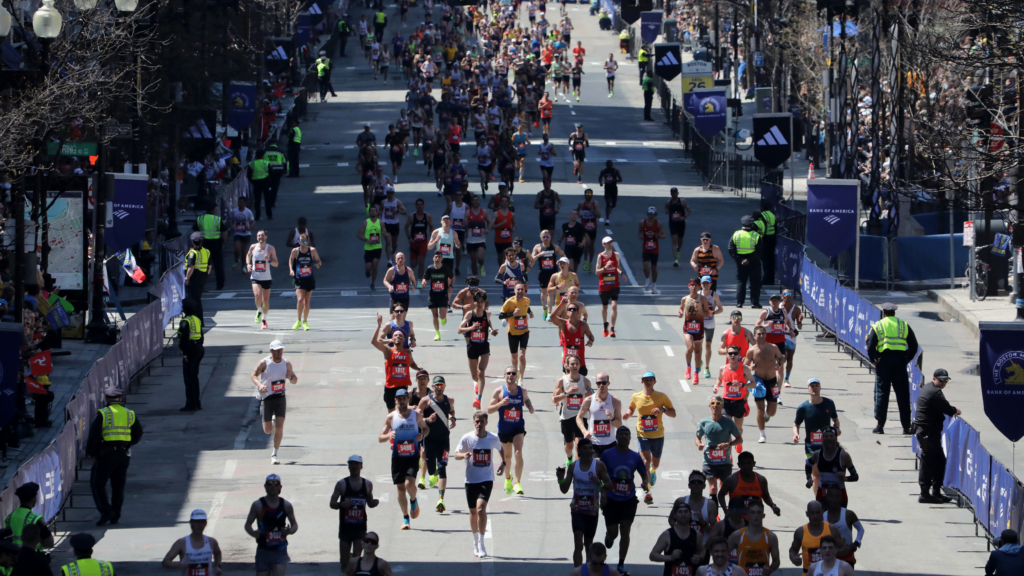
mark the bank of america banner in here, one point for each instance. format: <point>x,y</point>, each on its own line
<point>1001,363</point>
<point>832,214</point>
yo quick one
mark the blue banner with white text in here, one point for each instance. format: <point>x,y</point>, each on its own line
<point>832,215</point>
<point>129,208</point>
<point>1001,363</point>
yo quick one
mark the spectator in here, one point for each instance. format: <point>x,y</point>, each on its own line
<point>1007,560</point>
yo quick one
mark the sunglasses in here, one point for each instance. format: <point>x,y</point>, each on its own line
<point>370,542</point>
<point>733,354</point>
<point>273,483</point>
<point>716,404</point>
<point>573,309</point>
<point>602,382</point>
<point>705,239</point>
<point>398,311</point>
<point>510,373</point>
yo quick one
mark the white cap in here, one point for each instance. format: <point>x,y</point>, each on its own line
<point>198,514</point>
<point>563,260</point>
<point>366,124</point>
<point>607,239</point>
<point>652,210</point>
<point>355,458</point>
<point>277,345</point>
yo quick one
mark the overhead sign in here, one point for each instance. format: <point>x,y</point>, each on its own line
<point>709,118</point>
<point>772,138</point>
<point>72,148</point>
<point>650,25</point>
<point>697,74</point>
<point>667,60</point>
<point>832,215</point>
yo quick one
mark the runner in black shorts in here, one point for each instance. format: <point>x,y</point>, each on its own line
<point>610,178</point>
<point>578,144</point>
<point>405,429</point>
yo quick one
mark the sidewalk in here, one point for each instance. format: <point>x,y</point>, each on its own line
<point>958,304</point>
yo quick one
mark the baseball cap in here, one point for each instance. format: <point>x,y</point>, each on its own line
<point>401,392</point>
<point>196,236</point>
<point>652,210</point>
<point>647,374</point>
<point>563,260</point>
<point>775,297</point>
<point>705,279</point>
<point>4,302</point>
<point>941,374</point>
<point>736,313</point>
<point>438,380</point>
<point>113,391</point>
<point>366,124</point>
<point>422,372</point>
<point>705,234</point>
<point>606,240</point>
<point>814,381</point>
<point>277,345</point>
<point>273,478</point>
<point>355,458</point>
<point>198,514</point>
<point>673,189</point>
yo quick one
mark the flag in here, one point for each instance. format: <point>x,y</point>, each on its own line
<point>57,317</point>
<point>41,364</point>
<point>128,261</point>
<point>33,387</point>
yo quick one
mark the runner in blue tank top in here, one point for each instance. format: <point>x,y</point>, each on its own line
<point>623,465</point>
<point>510,274</point>
<point>508,401</point>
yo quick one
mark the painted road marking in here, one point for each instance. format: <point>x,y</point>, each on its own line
<point>668,350</point>
<point>656,325</point>
<point>625,265</point>
<point>686,387</point>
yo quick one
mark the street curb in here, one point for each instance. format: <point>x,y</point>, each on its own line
<point>966,318</point>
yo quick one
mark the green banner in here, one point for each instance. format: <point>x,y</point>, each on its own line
<point>72,148</point>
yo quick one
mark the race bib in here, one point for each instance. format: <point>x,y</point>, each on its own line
<point>457,223</point>
<point>586,504</point>
<point>718,455</point>
<point>733,390</point>
<point>574,400</point>
<point>579,146</point>
<point>481,458</point>
<point>274,537</point>
<point>241,227</point>
<point>649,423</point>
<point>401,288</point>
<point>776,390</point>
<point>277,386</point>
<point>650,244</point>
<point>693,326</point>
<point>446,249</point>
<point>356,514</point>
<point>705,270</point>
<point>778,327</point>
<point>602,428</point>
<point>419,237</point>
<point>478,336</point>
<point>545,155</point>
<point>374,238</point>
<point>608,278</point>
<point>260,266</point>
<point>816,437</point>
<point>520,323</point>
<point>399,371</point>
<point>677,216</point>
<point>521,146</point>
<point>572,351</point>
<point>406,448</point>
<point>590,225</point>
<point>756,570</point>
<point>548,209</point>
<point>389,213</point>
<point>512,414</point>
<point>814,554</point>
<point>622,487</point>
<point>570,240</point>
<point>305,271</point>
<point>609,179</point>
<point>547,263</point>
<point>437,286</point>
<point>198,569</point>
<point>682,570</point>
<point>504,233</point>
<point>476,231</point>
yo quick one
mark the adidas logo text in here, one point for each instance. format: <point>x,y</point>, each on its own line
<point>774,137</point>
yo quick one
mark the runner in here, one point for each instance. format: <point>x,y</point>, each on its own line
<point>746,486</point>
<point>395,142</point>
<point>518,309</point>
<point>707,259</point>
<point>400,282</point>
<point>571,330</point>
<point>587,476</point>
<point>439,413</point>
<point>735,378</point>
<point>756,547</point>
<point>370,235</point>
<point>577,78</point>
<point>446,242</point>
<point>504,226</point>
<point>736,335</point>
<point>562,280</point>
<point>456,212</point>
<point>650,406</point>
<point>301,263</point>
<point>477,225</point>
<point>704,510</point>
<point>721,560</point>
<point>405,429</point>
<point>623,465</point>
<point>806,547</point>
<point>545,252</point>
<point>243,220</point>
<point>476,448</point>
<point>728,526</point>
<point>830,564</point>
<point>441,281</point>
<point>269,378</point>
<point>609,178</point>
<point>650,232</point>
<point>829,467</point>
<point>597,555</point>
<point>546,107</point>
<point>720,433</point>
<point>678,211</point>
<point>679,547</point>
<point>397,362</point>
<point>695,308</point>
<point>485,156</point>
<point>846,520</point>
<point>571,389</point>
<point>778,327</point>
<point>608,272</point>
<point>576,239</point>
<point>392,208</point>
<point>464,299</point>
<point>765,359</point>
<point>508,401</point>
<point>398,323</point>
<point>610,67</point>
<point>815,413</point>
<point>275,521</point>
<point>590,213</point>
<point>195,553</point>
<point>578,144</point>
<point>715,308</point>
<point>476,324</point>
<point>521,141</point>
<point>795,317</point>
<point>573,293</point>
<point>546,158</point>
<point>548,202</point>
<point>351,497</point>
<point>509,274</point>
<point>257,259</point>
<point>605,412</point>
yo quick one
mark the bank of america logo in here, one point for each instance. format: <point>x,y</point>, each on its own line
<point>832,219</point>
<point>774,137</point>
<point>121,214</point>
<point>668,60</point>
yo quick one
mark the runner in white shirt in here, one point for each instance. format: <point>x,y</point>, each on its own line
<point>195,551</point>
<point>258,260</point>
<point>610,67</point>
<point>477,449</point>
<point>241,222</point>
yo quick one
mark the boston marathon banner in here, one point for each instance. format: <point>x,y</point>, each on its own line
<point>832,214</point>
<point>1001,364</point>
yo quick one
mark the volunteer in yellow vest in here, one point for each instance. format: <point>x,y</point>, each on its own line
<point>766,221</point>
<point>278,165</point>
<point>258,172</point>
<point>113,432</point>
<point>323,75</point>
<point>84,564</point>
<point>28,497</point>
<point>190,342</point>
<point>643,58</point>
<point>380,20</point>
<point>197,270</point>
<point>807,538</point>
<point>891,346</point>
<point>294,145</point>
<point>745,247</point>
<point>344,31</point>
<point>371,237</point>
<point>213,228</point>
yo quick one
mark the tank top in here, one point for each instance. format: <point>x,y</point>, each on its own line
<point>480,335</point>
<point>198,560</point>
<point>520,142</point>
<point>502,227</point>
<point>304,264</point>
<point>572,345</point>
<point>752,555</point>
<point>260,263</point>
<point>274,377</point>
<point>831,469</point>
<point>689,548</point>
<point>609,279</point>
<point>586,571</point>
<point>600,429</point>
<point>513,275</point>
<point>588,218</point>
<point>510,418</point>
<point>446,245</point>
<point>371,571</point>
<point>439,428</point>
<point>419,229</point>
<point>584,489</point>
<point>789,316</point>
<point>401,285</point>
<point>406,430</point>
<point>477,226</point>
<point>406,329</point>
<point>573,402</point>
<point>372,235</point>
<point>707,264</point>
<point>833,572</point>
<point>396,368</point>
<point>650,232</point>
<point>844,531</point>
<point>676,212</point>
<point>694,521</point>
<point>747,492</point>
<point>547,258</point>
<point>775,322</point>
<point>709,321</point>
<point>390,212</point>
<point>458,215</point>
<point>811,545</point>
<point>740,340</point>
<point>545,155</point>
<point>547,206</point>
<point>733,381</point>
<point>271,522</point>
<point>355,515</point>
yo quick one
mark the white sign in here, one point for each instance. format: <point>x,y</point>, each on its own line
<point>968,233</point>
<point>696,67</point>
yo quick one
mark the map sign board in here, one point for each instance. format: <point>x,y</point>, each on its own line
<point>66,262</point>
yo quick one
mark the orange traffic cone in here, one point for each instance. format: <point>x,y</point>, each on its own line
<point>810,172</point>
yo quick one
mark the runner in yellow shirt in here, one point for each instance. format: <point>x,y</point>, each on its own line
<point>650,406</point>
<point>514,313</point>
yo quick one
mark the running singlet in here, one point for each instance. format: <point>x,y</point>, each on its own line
<point>198,560</point>
<point>707,264</point>
<point>477,226</point>
<point>577,142</point>
<point>589,220</point>
<point>510,418</point>
<point>446,245</point>
<point>610,277</point>
<point>745,491</point>
<point>260,263</point>
<point>390,212</point>
<point>478,335</point>
<point>572,345</point>
<point>676,212</point>
<point>406,430</point>
<point>271,522</point>
<point>601,414</point>
<point>355,515</point>
<point>698,515</point>
<point>458,215</point>
<point>733,381</point>
<point>831,469</point>
<point>400,283</point>
<point>520,142</point>
<point>688,547</point>
<point>512,277</point>
<point>502,227</point>
<point>274,377</point>
<point>573,402</point>
<point>584,489</point>
<point>419,229</point>
<point>547,258</point>
<point>547,205</point>
<point>811,545</point>
<point>304,264</point>
<point>775,322</point>
<point>622,469</point>
<point>738,340</point>
<point>650,231</point>
<point>752,555</point>
<point>396,369</point>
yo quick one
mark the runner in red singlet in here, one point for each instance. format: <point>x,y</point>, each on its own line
<point>608,271</point>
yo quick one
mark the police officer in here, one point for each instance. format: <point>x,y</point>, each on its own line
<point>647,83</point>
<point>891,345</point>
<point>380,20</point>
<point>278,166</point>
<point>932,408</point>
<point>84,564</point>
<point>294,144</point>
<point>115,429</point>
<point>258,172</point>
<point>197,270</point>
<point>344,31</point>
<point>190,342</point>
<point>643,58</point>
<point>23,516</point>
<point>30,561</point>
<point>745,248</point>
<point>323,75</point>
<point>766,227</point>
<point>213,229</point>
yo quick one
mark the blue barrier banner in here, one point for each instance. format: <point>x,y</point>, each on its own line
<point>979,462</point>
<point>818,290</point>
<point>1001,361</point>
<point>927,257</point>
<point>915,376</point>
<point>845,312</point>
<point>709,117</point>
<point>789,259</point>
<point>832,215</point>
<point>1000,508</point>
<point>867,315</point>
<point>955,452</point>
<point>872,257</point>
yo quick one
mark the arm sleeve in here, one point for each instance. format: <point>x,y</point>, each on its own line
<point>136,432</point>
<point>911,344</point>
<point>945,406</point>
<point>832,413</point>
<point>92,446</point>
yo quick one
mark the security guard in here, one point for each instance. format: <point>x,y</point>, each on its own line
<point>648,87</point>
<point>30,561</point>
<point>84,564</point>
<point>380,20</point>
<point>745,248</point>
<point>323,75</point>
<point>277,164</point>
<point>344,31</point>
<point>294,144</point>
<point>115,429</point>
<point>23,516</point>
<point>190,342</point>
<point>197,270</point>
<point>213,229</point>
<point>932,409</point>
<point>891,345</point>
<point>8,555</point>
<point>766,227</point>
<point>258,172</point>
<point>643,58</point>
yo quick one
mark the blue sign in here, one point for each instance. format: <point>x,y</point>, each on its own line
<point>241,105</point>
<point>709,118</point>
<point>650,25</point>
<point>832,215</point>
<point>758,59</point>
<point>10,367</point>
<point>1001,362</point>
<point>1004,494</point>
<point>818,290</point>
<point>726,25</point>
<point>129,212</point>
<point>789,259</point>
<point>57,316</point>
<point>303,30</point>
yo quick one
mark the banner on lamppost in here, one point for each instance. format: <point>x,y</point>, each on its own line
<point>667,60</point>
<point>692,100</point>
<point>832,214</point>
<point>709,118</point>
<point>1001,362</point>
<point>241,105</point>
<point>650,25</point>
<point>128,210</point>
<point>772,138</point>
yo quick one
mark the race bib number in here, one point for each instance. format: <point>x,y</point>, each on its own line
<point>718,455</point>
<point>776,390</point>
<point>545,156</point>
<point>649,423</point>
<point>504,233</point>
<point>476,231</point>
<point>579,146</point>
<point>682,570</point>
<point>241,227</point>
<point>608,278</point>
<point>609,179</point>
<point>575,400</point>
<point>406,448</point>
<point>419,237</point>
<point>512,414</point>
<point>756,570</point>
<point>521,146</point>
<point>570,240</point>
<point>437,286</point>
<point>510,283</point>
<point>733,390</point>
<point>650,244</point>
<point>816,437</point>
<point>274,537</point>
<point>481,458</point>
<point>305,271</point>
<point>547,263</point>
<point>198,569</point>
<point>446,249</point>
<point>277,386</point>
<point>705,270</point>
<point>478,336</point>
<point>622,487</point>
<point>778,327</point>
<point>814,554</point>
<point>399,371</point>
<point>389,213</point>
<point>457,223</point>
<point>586,504</point>
<point>260,266</point>
<point>356,514</point>
<point>677,216</point>
<point>548,209</point>
<point>520,323</point>
<point>590,225</point>
<point>602,428</point>
<point>693,326</point>
<point>401,288</point>
<point>374,238</point>
<point>572,351</point>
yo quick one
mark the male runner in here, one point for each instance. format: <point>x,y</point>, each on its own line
<point>597,557</point>
<point>777,324</point>
<point>351,497</point>
<point>704,508</point>
<point>609,68</point>
<point>571,331</point>
<point>816,413</point>
<point>623,465</point>
<point>576,239</point>
<point>720,564</point>
<point>746,485</point>
<point>418,228</point>
<point>736,335</point>
<point>518,309</point>
<point>846,520</point>
<point>463,300</point>
<point>405,429</point>
<point>269,378</point>
<point>720,433</point>
<point>678,211</point>
<point>608,271</point>
<point>393,208</point>
<point>446,242</point>
<point>796,321</point>
<point>545,253</point>
<point>695,308</point>
<point>477,327</point>
<point>548,202</point>
<point>715,308</point>
<point>590,213</point>
<point>476,448</point>
<point>571,389</point>
<point>735,379</point>
<point>546,157</point>
<point>650,232</point>
<point>806,547</point>
<point>829,565</point>
<point>397,362</point>
<point>371,234</point>
<point>757,548</point>
<point>650,406</point>
<point>398,323</point>
<point>578,144</point>
<point>831,466</point>
<point>508,401</point>
<point>400,282</point>
<point>679,547</point>
<point>440,280</point>
<point>243,220</point>
<point>707,259</point>
<point>587,476</point>
<point>728,526</point>
<point>561,281</point>
<point>193,554</point>
<point>439,413</point>
<point>275,521</point>
<point>609,178</point>
<point>766,360</point>
<point>456,212</point>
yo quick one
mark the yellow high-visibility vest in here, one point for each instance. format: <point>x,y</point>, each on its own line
<point>892,334</point>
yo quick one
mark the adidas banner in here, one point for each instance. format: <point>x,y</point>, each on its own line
<point>832,214</point>
<point>668,62</point>
<point>772,138</point>
<point>650,25</point>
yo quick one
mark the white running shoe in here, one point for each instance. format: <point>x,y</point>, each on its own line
<point>274,460</point>
<point>483,551</point>
<point>476,544</point>
<point>762,439</point>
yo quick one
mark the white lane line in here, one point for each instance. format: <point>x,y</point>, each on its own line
<point>625,266</point>
<point>622,161</point>
<point>287,294</point>
<point>214,513</point>
<point>303,165</point>
<point>229,469</point>
<point>686,387</point>
<point>610,143</point>
<point>662,160</point>
<point>668,350</point>
<point>656,325</point>
<point>342,164</point>
<point>573,113</point>
<point>224,296</point>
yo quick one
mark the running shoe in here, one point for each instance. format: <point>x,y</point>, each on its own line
<point>604,332</point>
<point>568,461</point>
<point>476,403</point>
<point>610,94</point>
<point>577,98</point>
<point>414,508</point>
<point>263,325</point>
<point>521,181</point>
<point>483,551</point>
<point>297,325</point>
<point>518,488</point>
<point>648,499</point>
<point>405,524</point>
<point>235,267</point>
<point>305,325</point>
<point>259,316</point>
<point>274,460</point>
<point>416,152</point>
<point>696,377</point>
<point>476,388</point>
<point>432,481</point>
<point>654,476</point>
<point>762,439</point>
<point>785,384</point>
<point>421,483</point>
<point>508,485</point>
<point>482,270</point>
<point>707,373</point>
<point>440,505</point>
<point>611,331</point>
<point>437,336</point>
<point>545,315</point>
<point>687,376</point>
<point>676,263</point>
